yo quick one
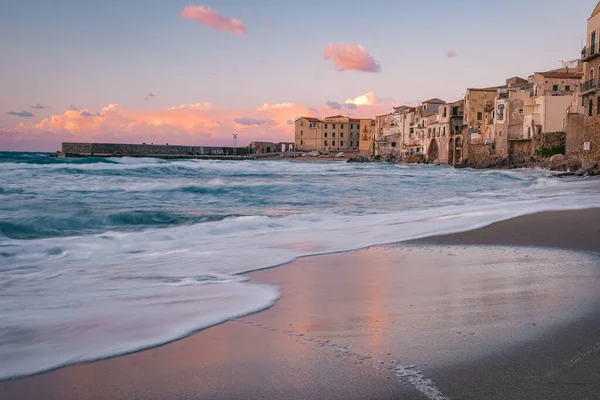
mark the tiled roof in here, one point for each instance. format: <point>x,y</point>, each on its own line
<point>562,75</point>
<point>354,120</point>
<point>311,119</point>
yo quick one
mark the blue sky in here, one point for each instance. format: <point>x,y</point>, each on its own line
<point>92,53</point>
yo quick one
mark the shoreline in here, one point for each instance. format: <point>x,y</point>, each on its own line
<point>494,234</point>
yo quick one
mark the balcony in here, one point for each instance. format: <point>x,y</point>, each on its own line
<point>589,86</point>
<point>589,53</point>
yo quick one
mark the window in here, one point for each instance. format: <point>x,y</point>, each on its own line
<point>301,123</point>
<point>593,44</point>
<point>351,144</point>
<point>333,143</point>
<point>479,116</point>
<point>302,142</point>
<point>341,126</point>
<point>342,143</point>
<point>325,134</point>
<point>301,133</point>
<point>341,134</point>
<point>393,144</point>
<point>567,88</point>
<point>351,126</point>
<point>455,111</point>
<point>326,144</point>
<point>332,134</point>
<point>445,110</point>
<point>598,106</point>
<point>591,107</point>
<point>325,126</point>
<point>555,88</point>
<point>520,111</point>
<point>444,132</point>
<point>333,126</point>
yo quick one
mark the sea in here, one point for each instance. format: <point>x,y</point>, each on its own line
<point>106,256</point>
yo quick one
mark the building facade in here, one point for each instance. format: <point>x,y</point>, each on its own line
<point>336,133</point>
<point>590,92</point>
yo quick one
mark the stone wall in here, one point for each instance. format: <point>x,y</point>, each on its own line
<point>574,136</point>
<point>479,155</point>
<point>549,144</point>
<point>519,151</point>
<point>146,150</point>
<point>591,134</point>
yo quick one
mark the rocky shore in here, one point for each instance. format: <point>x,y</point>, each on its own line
<point>567,166</point>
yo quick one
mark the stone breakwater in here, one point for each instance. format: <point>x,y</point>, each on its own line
<point>152,150</point>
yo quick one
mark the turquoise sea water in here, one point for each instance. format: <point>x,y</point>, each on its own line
<point>100,257</point>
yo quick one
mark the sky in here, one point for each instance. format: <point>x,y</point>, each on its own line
<point>196,72</point>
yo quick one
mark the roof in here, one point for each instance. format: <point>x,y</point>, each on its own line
<point>435,100</point>
<point>311,119</point>
<point>383,115</point>
<point>561,75</point>
<point>336,116</point>
<point>596,10</point>
<point>487,89</point>
<point>354,119</point>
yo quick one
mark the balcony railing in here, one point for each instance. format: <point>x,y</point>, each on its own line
<point>589,86</point>
<point>589,53</point>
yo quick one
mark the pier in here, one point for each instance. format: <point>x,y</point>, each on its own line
<point>70,149</point>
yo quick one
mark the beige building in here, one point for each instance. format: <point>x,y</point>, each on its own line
<point>336,133</point>
<point>382,122</point>
<point>367,136</point>
<point>450,120</point>
<point>590,92</point>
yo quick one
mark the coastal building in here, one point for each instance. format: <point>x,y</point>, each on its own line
<point>590,92</point>
<point>271,147</point>
<point>335,133</point>
<point>425,114</point>
<point>367,137</point>
<point>556,82</point>
<point>478,115</point>
<point>450,120</point>
<point>308,134</point>
<point>382,122</point>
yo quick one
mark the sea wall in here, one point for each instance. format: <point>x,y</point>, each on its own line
<point>147,150</point>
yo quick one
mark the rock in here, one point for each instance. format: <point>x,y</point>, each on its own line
<point>587,171</point>
<point>377,157</point>
<point>436,162</point>
<point>564,174</point>
<point>390,158</point>
<point>358,159</point>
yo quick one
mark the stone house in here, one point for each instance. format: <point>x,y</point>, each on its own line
<point>561,82</point>
<point>450,120</point>
<point>382,122</point>
<point>590,92</point>
<point>478,114</point>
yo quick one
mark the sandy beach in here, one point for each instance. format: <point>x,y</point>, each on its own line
<point>506,311</point>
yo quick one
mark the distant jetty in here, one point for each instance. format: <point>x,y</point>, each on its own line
<point>70,149</point>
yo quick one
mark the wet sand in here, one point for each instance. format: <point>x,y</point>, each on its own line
<point>476,321</point>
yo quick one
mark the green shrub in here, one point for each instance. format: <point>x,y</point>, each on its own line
<point>546,152</point>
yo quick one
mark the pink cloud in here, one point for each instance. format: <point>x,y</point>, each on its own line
<point>207,16</point>
<point>187,124</point>
<point>347,57</point>
<point>451,54</point>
